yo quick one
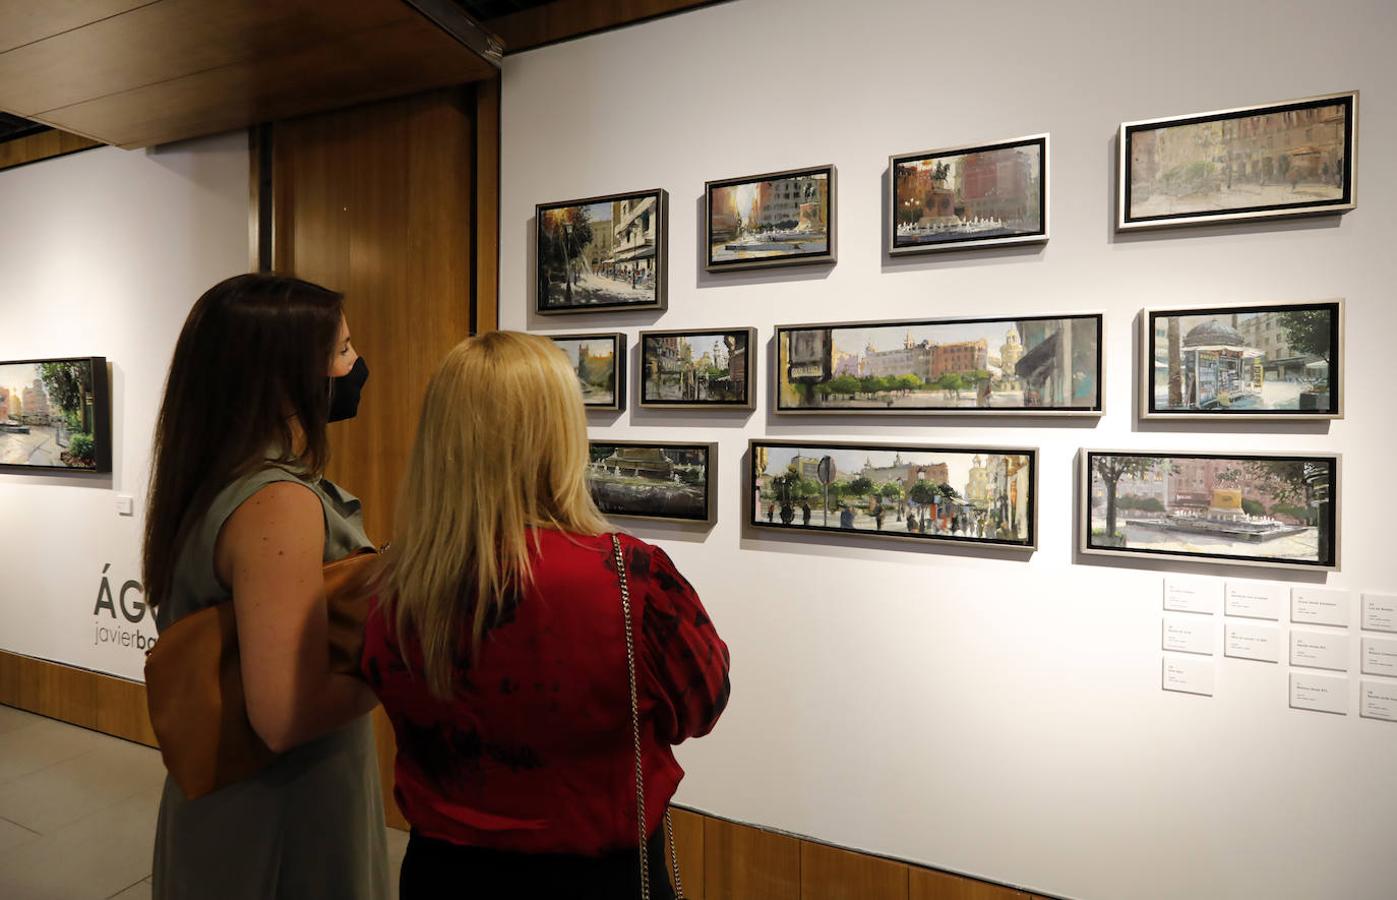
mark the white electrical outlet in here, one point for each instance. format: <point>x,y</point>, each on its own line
<point>125,505</point>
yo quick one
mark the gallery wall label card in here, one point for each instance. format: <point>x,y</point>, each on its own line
<point>1244,640</point>
<point>1255,599</point>
<point>1195,595</point>
<point>1319,650</point>
<point>1380,656</point>
<point>1188,674</point>
<point>1319,606</point>
<point>1188,634</point>
<point>1380,612</point>
<point>1322,693</point>
<point>1378,700</point>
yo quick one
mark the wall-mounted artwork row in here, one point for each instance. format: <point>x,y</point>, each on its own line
<point>1032,365</point>
<point>600,363</point>
<point>776,219</point>
<point>602,253</point>
<point>965,495</point>
<point>974,196</point>
<point>654,479</point>
<point>1270,361</point>
<point>55,414</point>
<point>698,369</point>
<point>1251,509</point>
<point>1283,159</point>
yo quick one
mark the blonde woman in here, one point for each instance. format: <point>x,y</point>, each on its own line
<point>499,652</point>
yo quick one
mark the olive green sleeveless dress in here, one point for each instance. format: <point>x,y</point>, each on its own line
<point>310,825</point>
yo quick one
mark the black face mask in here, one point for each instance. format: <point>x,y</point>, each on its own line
<point>345,390</point>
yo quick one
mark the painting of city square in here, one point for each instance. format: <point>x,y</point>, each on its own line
<point>1031,365</point>
<point>600,363</point>
<point>602,253</point>
<point>771,220</point>
<point>54,415</point>
<point>969,196</point>
<point>1287,159</point>
<point>653,480</point>
<point>696,368</point>
<point>1277,361</point>
<point>961,494</point>
<point>1265,510</point>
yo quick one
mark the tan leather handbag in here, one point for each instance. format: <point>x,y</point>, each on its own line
<point>194,683</point>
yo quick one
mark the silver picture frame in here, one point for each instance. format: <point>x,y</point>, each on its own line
<point>660,256</point>
<point>826,257</point>
<point>748,401</point>
<point>619,383</point>
<point>709,513</point>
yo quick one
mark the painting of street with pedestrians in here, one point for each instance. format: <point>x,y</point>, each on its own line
<point>55,414</point>
<point>1037,365</point>
<point>958,494</point>
<point>653,480</point>
<point>602,253</point>
<point>1238,508</point>
<point>780,218</point>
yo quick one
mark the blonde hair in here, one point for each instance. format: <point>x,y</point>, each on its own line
<point>501,447</point>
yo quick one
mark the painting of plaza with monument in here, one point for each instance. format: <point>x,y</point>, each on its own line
<point>653,480</point>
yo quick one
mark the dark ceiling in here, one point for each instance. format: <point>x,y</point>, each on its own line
<point>12,127</point>
<point>490,9</point>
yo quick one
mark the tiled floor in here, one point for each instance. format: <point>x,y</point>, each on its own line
<point>77,813</point>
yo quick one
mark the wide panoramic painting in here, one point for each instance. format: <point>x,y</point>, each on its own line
<point>55,414</point>
<point>1234,508</point>
<point>1294,158</point>
<point>654,480</point>
<point>697,369</point>
<point>1036,365</point>
<point>956,494</point>
<point>1281,361</point>
<point>602,253</point>
<point>964,197</point>
<point>779,219</point>
<point>600,363</point>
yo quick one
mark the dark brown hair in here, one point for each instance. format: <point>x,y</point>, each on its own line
<point>254,353</point>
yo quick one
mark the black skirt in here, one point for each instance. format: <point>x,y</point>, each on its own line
<point>435,869</point>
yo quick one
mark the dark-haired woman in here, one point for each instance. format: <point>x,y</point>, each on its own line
<point>239,508</point>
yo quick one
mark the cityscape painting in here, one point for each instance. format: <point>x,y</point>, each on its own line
<point>1032,365</point>
<point>697,369</point>
<point>1285,159</point>
<point>777,219</point>
<point>963,495</point>
<point>1279,511</point>
<point>961,197</point>
<point>654,479</point>
<point>602,253</point>
<point>1275,361</point>
<point>600,363</point>
<point>55,414</point>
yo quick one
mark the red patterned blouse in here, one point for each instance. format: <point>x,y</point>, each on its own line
<point>535,753</point>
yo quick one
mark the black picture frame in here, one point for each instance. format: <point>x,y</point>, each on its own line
<point>101,420</point>
<point>745,344</point>
<point>684,506</point>
<point>714,234</point>
<point>629,261</point>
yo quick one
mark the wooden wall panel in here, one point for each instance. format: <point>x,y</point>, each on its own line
<point>928,884</point>
<point>44,145</point>
<point>487,206</point>
<point>688,837</point>
<point>828,873</point>
<point>741,863</point>
<point>89,699</point>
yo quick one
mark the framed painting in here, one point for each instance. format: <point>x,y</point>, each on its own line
<point>957,198</point>
<point>55,414</point>
<point>705,369</point>
<point>776,219</point>
<point>1257,361</point>
<point>1004,365</point>
<point>1280,511</point>
<point>961,495</point>
<point>1294,158</point>
<point>600,363</point>
<point>602,253</point>
<point>654,479</point>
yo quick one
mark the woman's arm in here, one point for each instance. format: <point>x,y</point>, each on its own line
<point>270,552</point>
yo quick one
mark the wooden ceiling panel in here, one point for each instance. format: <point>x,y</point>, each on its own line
<point>562,20</point>
<point>25,21</point>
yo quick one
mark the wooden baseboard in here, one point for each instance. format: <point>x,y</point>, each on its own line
<point>82,697</point>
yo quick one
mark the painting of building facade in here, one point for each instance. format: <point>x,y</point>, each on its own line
<point>697,368</point>
<point>600,363</point>
<point>1281,361</point>
<point>969,196</point>
<point>1268,510</point>
<point>1034,365</point>
<point>55,415</point>
<point>964,494</point>
<point>654,480</point>
<point>782,218</point>
<point>1286,159</point>
<point>602,253</point>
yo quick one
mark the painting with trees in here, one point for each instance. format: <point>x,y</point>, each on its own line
<point>601,253</point>
<point>1236,508</point>
<point>955,494</point>
<point>1032,365</point>
<point>600,363</point>
<point>697,369</point>
<point>55,414</point>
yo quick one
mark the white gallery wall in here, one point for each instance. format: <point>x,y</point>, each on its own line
<point>102,253</point>
<point>984,713</point>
